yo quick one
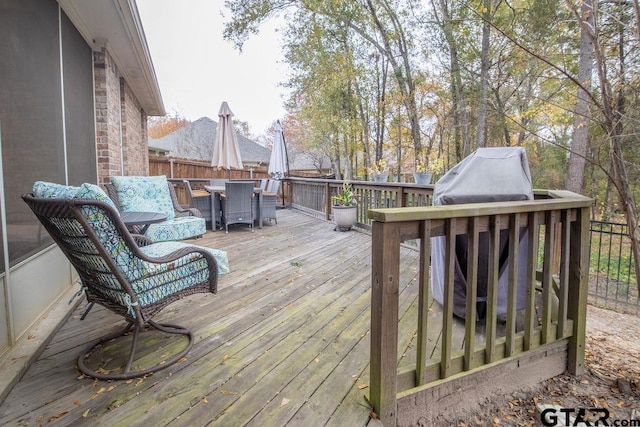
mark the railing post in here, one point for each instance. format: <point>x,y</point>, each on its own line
<point>385,275</point>
<point>327,198</point>
<point>578,281</point>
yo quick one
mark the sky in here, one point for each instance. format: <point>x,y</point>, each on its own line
<point>197,70</point>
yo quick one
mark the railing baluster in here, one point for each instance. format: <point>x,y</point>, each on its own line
<point>530,319</point>
<point>492,288</point>
<point>472,293</point>
<point>547,275</point>
<point>447,309</point>
<point>512,290</point>
<point>563,285</point>
<point>424,300</point>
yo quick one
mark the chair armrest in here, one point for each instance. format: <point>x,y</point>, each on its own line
<point>141,240</point>
<point>180,211</point>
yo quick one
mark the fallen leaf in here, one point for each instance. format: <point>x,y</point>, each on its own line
<point>85,414</point>
<point>363,386</point>
<point>55,417</point>
<point>284,401</point>
<point>204,400</point>
<point>225,358</point>
<point>31,336</point>
<point>227,392</point>
<point>373,415</point>
<point>77,402</point>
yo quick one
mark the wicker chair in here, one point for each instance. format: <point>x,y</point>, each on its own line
<point>125,273</point>
<point>238,204</point>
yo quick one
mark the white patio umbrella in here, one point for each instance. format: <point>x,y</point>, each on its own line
<point>278,163</point>
<point>226,153</point>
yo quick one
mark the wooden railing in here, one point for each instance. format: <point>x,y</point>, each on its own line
<point>556,225</point>
<point>314,196</point>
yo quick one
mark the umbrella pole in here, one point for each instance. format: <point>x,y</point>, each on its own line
<point>286,155</point>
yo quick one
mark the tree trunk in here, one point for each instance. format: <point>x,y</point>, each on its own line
<point>481,137</point>
<point>613,111</point>
<point>580,137</point>
<point>460,116</point>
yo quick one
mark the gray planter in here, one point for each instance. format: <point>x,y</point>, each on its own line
<point>381,177</point>
<point>344,217</point>
<point>422,178</point>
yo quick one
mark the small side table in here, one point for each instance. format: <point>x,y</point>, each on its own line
<point>145,219</point>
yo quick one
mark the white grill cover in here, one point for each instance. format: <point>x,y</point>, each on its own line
<point>487,175</point>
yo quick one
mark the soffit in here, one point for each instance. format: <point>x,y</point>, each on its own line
<point>116,25</point>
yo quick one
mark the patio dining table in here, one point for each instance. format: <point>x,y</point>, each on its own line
<point>218,190</point>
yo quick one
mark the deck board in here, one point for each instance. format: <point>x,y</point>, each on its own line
<point>285,341</point>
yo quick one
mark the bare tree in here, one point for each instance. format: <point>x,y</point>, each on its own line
<point>580,137</point>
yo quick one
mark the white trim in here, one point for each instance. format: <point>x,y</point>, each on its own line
<point>6,281</point>
<point>121,140</point>
<point>64,119</point>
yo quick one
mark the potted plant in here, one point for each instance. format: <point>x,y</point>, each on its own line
<point>379,171</point>
<point>344,208</point>
<point>421,174</point>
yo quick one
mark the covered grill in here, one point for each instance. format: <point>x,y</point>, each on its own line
<point>488,175</point>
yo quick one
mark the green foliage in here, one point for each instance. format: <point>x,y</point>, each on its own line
<point>345,196</point>
<point>351,63</point>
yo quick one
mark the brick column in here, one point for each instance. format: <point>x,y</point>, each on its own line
<point>134,133</point>
<point>107,102</point>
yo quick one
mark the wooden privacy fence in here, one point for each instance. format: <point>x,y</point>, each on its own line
<point>184,168</point>
<point>557,227</point>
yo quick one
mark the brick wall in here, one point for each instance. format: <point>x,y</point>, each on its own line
<point>134,133</point>
<point>121,129</point>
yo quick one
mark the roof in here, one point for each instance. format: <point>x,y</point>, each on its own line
<point>195,141</point>
<point>116,25</point>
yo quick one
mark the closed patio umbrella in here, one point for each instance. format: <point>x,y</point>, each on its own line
<point>226,153</point>
<point>278,163</point>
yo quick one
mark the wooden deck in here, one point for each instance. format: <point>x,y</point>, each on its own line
<point>285,341</point>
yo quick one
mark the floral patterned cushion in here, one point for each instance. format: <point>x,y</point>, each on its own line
<point>158,281</point>
<point>51,190</point>
<point>178,228</point>
<point>160,249</point>
<point>93,192</point>
<point>144,194</point>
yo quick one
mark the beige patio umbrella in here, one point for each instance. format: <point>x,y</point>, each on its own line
<point>226,152</point>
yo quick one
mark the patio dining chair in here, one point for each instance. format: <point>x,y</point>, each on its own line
<point>237,204</point>
<point>263,183</point>
<point>125,273</point>
<point>269,200</point>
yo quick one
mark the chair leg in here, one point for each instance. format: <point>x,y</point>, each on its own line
<point>127,373</point>
<point>89,307</point>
